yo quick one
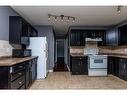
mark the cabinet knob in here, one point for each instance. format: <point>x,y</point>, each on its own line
<point>20,82</point>
<point>20,66</point>
<point>19,73</point>
<point>124,66</point>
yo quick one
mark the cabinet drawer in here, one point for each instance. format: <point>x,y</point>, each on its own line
<point>18,83</point>
<point>17,68</point>
<point>17,75</point>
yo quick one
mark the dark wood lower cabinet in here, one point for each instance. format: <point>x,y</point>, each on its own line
<point>118,67</point>
<point>79,65</point>
<point>19,76</point>
<point>123,68</point>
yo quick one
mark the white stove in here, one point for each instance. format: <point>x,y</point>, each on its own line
<point>97,65</point>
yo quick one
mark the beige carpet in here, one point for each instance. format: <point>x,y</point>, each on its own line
<point>64,80</point>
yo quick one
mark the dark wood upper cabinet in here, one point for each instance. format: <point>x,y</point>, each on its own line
<point>117,36</point>
<point>20,31</point>
<point>75,38</point>
<point>122,31</point>
<point>78,36</point>
<point>33,32</point>
<point>112,37</point>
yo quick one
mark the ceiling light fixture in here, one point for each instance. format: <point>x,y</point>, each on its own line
<point>61,18</point>
<point>119,9</point>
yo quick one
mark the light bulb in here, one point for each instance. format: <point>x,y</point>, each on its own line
<point>68,18</point>
<point>49,18</point>
<point>55,18</point>
<point>73,19</point>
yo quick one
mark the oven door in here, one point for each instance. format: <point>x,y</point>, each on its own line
<point>98,63</point>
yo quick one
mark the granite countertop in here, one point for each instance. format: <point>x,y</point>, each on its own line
<point>9,61</point>
<point>116,55</point>
<point>77,54</point>
<point>109,54</point>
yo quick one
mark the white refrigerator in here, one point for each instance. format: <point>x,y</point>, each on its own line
<point>39,48</point>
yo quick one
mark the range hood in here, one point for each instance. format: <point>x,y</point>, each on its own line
<point>93,39</point>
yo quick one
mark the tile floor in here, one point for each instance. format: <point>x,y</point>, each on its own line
<point>64,80</point>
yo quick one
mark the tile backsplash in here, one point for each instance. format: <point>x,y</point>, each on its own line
<point>5,48</point>
<point>114,50</point>
<point>102,49</point>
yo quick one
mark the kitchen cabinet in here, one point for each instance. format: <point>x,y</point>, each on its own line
<point>20,31</point>
<point>33,70</point>
<point>102,35</point>
<point>112,37</point>
<point>12,77</point>
<point>122,35</point>
<point>123,68</point>
<point>33,32</point>
<point>117,36</point>
<point>19,76</point>
<point>110,62</point>
<point>113,66</point>
<point>78,36</point>
<point>75,38</point>
<point>79,65</point>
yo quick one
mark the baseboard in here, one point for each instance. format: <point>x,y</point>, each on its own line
<point>68,67</point>
<point>50,71</point>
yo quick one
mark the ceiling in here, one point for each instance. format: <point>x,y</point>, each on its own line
<point>86,15</point>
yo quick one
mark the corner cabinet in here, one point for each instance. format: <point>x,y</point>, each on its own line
<point>19,76</point>
<point>79,65</point>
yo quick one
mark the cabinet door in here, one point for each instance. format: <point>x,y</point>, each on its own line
<point>75,38</point>
<point>102,35</point>
<point>79,65</point>
<point>15,27</point>
<point>123,69</point>
<point>4,78</point>
<point>112,37</point>
<point>28,75</point>
<point>25,29</point>
<point>76,65</point>
<point>84,35</point>
<point>84,66</point>
<point>123,35</point>
<point>110,62</point>
<point>34,70</point>
<point>33,32</point>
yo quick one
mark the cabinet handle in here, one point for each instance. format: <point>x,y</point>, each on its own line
<point>20,82</point>
<point>19,73</point>
<point>20,66</point>
<point>124,66</point>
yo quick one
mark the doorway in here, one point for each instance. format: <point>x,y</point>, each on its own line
<point>60,56</point>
